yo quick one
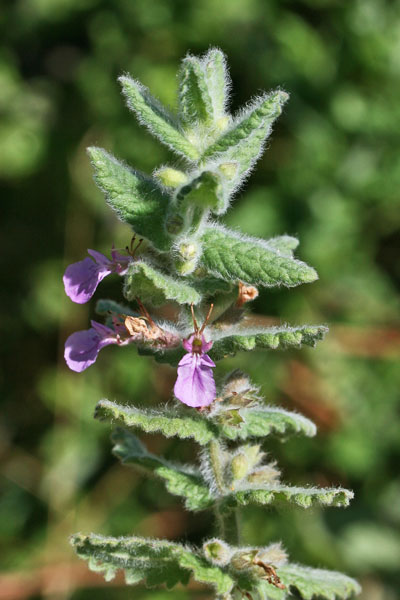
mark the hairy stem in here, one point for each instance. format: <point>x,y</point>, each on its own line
<point>227,522</point>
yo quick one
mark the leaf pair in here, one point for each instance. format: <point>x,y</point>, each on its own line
<point>189,484</point>
<point>157,562</point>
<point>255,422</point>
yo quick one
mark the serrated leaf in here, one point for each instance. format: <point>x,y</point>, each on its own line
<point>267,338</point>
<point>179,480</point>
<point>137,199</point>
<point>233,257</point>
<point>168,422</point>
<point>211,285</point>
<point>259,114</point>
<point>285,244</point>
<point>154,561</point>
<point>318,583</point>
<point>244,141</point>
<point>156,288</point>
<point>263,338</point>
<point>263,421</point>
<point>304,497</point>
<point>156,118</point>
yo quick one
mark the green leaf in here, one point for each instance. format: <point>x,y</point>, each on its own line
<point>179,480</point>
<point>156,118</point>
<point>233,257</point>
<point>277,493</point>
<point>267,338</point>
<point>170,423</point>
<point>261,113</point>
<point>155,288</point>
<point>218,81</point>
<point>203,89</point>
<point>137,199</point>
<point>262,421</point>
<point>208,286</point>
<point>243,142</point>
<point>318,583</point>
<point>194,96</point>
<point>155,562</point>
<point>285,244</point>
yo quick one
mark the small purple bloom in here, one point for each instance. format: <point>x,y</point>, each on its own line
<point>82,278</point>
<point>82,347</point>
<point>195,385</point>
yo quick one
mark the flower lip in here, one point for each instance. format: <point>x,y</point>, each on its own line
<point>82,278</point>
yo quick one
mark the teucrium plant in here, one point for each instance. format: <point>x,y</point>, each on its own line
<point>183,256</point>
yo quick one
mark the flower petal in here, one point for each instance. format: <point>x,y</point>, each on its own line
<point>195,385</point>
<point>82,278</point>
<point>100,258</point>
<point>82,348</point>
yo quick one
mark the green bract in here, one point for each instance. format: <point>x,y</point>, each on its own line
<point>188,258</point>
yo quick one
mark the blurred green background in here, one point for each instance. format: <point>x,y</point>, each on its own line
<point>331,175</point>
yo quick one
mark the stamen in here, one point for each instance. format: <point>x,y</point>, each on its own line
<point>196,327</point>
<point>206,319</point>
<point>131,250</point>
<point>144,312</point>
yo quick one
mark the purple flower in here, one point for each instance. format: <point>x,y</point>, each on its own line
<point>82,347</point>
<point>82,278</point>
<point>195,385</point>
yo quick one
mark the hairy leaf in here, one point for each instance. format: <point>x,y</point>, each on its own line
<point>156,288</point>
<point>203,89</point>
<point>155,562</point>
<point>318,583</point>
<point>218,81</point>
<point>268,338</point>
<point>243,142</point>
<point>179,480</point>
<point>169,422</point>
<point>211,285</point>
<point>285,244</point>
<point>137,199</point>
<point>156,118</point>
<point>194,96</point>
<point>262,421</point>
<point>233,257</point>
<point>304,497</point>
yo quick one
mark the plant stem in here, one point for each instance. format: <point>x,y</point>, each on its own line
<point>227,521</point>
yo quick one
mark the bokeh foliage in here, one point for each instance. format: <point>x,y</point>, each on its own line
<point>331,176</point>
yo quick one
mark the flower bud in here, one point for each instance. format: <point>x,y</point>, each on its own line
<point>245,461</point>
<point>265,474</point>
<point>217,552</point>
<point>171,177</point>
<point>273,554</point>
<point>188,253</point>
<point>243,559</point>
<point>239,466</point>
